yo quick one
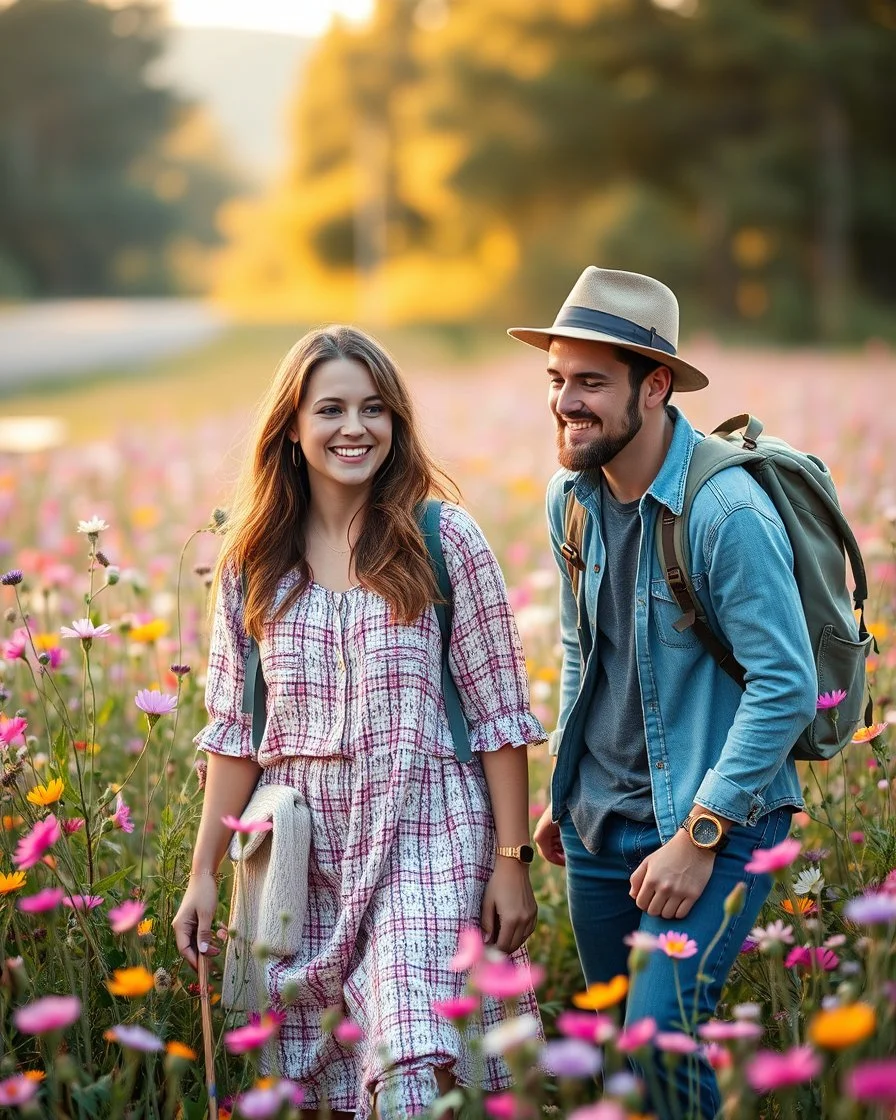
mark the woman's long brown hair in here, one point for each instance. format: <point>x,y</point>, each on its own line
<point>265,531</point>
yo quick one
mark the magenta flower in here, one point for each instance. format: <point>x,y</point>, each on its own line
<point>587,1026</point>
<point>16,647</point>
<point>32,848</point>
<point>505,980</point>
<point>603,1110</point>
<point>154,704</point>
<point>121,818</point>
<point>72,825</point>
<point>769,1071</point>
<point>51,1013</point>
<point>460,1008</point>
<point>636,1036</point>
<point>255,1034</point>
<point>348,1032</point>
<point>246,826</point>
<point>47,899</point>
<point>84,629</point>
<point>82,901</point>
<point>571,1057</point>
<point>804,956</point>
<point>470,948</point>
<point>127,915</point>
<point>133,1037</point>
<point>505,1106</point>
<point>675,1042</point>
<point>766,861</point>
<point>723,1030</point>
<point>873,1082</point>
<point>677,945</point>
<point>18,1089</point>
<point>12,729</point>
<point>829,700</point>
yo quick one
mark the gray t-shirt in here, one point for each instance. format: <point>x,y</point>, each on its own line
<point>614,774</point>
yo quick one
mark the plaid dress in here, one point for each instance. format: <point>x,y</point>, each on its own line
<point>402,833</point>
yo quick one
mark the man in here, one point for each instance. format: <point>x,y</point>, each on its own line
<point>667,774</point>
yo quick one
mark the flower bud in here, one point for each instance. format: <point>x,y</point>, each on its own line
<point>734,902</point>
<point>113,575</point>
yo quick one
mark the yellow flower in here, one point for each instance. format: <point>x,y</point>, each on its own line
<point>45,642</point>
<point>130,982</point>
<point>866,734</point>
<point>600,996</point>
<point>880,630</point>
<point>148,631</point>
<point>144,927</point>
<point>13,881</point>
<point>843,1026</point>
<point>46,794</point>
<point>145,517</point>
<point>9,823</point>
<point>550,674</point>
<point>179,1050</point>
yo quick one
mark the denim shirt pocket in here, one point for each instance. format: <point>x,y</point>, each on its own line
<point>665,612</point>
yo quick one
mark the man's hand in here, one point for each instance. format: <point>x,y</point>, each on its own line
<point>547,839</point>
<point>668,883</point>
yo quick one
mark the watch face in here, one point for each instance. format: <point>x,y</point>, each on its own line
<point>527,853</point>
<point>705,831</point>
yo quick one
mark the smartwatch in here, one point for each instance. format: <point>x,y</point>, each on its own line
<point>525,853</point>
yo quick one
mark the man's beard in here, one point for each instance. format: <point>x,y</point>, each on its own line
<point>603,448</point>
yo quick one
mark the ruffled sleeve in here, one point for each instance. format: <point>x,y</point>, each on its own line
<point>229,730</point>
<point>486,655</point>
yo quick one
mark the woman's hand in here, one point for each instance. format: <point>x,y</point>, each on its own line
<point>509,910</point>
<point>193,921</point>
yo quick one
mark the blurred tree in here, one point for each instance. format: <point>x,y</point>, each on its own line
<point>91,198</point>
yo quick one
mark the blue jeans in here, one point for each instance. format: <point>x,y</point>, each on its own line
<point>602,914</point>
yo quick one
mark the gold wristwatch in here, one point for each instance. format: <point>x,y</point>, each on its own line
<point>525,853</point>
<point>705,830</point>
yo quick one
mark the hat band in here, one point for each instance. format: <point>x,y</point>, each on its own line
<point>585,319</point>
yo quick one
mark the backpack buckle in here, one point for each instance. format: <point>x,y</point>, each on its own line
<point>676,579</point>
<point>570,554</point>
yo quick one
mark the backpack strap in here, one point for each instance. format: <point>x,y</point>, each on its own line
<point>571,549</point>
<point>255,692</point>
<point>429,516</point>
<point>255,689</point>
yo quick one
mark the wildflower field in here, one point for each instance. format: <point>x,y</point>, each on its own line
<point>107,546</point>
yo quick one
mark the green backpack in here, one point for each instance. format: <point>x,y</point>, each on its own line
<point>801,488</point>
<point>255,689</point>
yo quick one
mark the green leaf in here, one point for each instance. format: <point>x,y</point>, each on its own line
<point>91,1098</point>
<point>110,881</point>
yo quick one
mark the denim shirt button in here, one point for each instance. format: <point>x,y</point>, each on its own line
<point>661,765</point>
<point>597,567</point>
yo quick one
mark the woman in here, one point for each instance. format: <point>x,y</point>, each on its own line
<point>339,596</point>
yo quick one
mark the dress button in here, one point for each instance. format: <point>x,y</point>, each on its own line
<point>340,662</point>
<point>661,765</point>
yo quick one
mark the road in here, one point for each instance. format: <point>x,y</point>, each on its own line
<point>61,339</point>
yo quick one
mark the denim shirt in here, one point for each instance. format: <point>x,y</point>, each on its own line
<point>708,741</point>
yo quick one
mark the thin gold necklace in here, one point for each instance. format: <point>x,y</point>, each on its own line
<point>326,544</point>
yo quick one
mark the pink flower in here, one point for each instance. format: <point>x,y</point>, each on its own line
<point>717,1055</point>
<point>677,945</point>
<point>803,956</point>
<point>583,1024</point>
<point>155,703</point>
<point>603,1110</point>
<point>506,1106</point>
<point>829,700</point>
<point>16,646</point>
<point>460,1008</point>
<point>47,899</point>
<point>770,1071</point>
<point>470,948</point>
<point>873,1081</point>
<point>18,1089</point>
<point>72,825</point>
<point>505,980</point>
<point>127,915</point>
<point>246,826</point>
<point>32,848</point>
<point>348,1032</point>
<point>255,1034</point>
<point>857,837</point>
<point>266,1102</point>
<point>721,1030</point>
<point>637,1036</point>
<point>56,656</point>
<point>641,939</point>
<point>84,629</point>
<point>121,818</point>
<point>82,901</point>
<point>11,729</point>
<point>765,861</point>
<point>51,1013</point>
<point>675,1042</point>
<point>134,1037</point>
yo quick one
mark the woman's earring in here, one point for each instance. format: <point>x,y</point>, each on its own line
<point>296,461</point>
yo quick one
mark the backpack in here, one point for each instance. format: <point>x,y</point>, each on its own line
<point>801,488</point>
<point>255,689</point>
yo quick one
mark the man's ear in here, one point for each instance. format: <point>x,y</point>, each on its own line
<point>658,383</point>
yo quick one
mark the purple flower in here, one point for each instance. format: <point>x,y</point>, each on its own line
<point>872,909</point>
<point>260,1104</point>
<point>133,1037</point>
<point>154,704</point>
<point>571,1057</point>
<point>84,629</point>
<point>12,577</point>
<point>829,700</point>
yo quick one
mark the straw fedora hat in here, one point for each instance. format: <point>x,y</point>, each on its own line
<point>624,309</point>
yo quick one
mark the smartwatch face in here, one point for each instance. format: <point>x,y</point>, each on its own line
<point>705,831</point>
<point>527,853</point>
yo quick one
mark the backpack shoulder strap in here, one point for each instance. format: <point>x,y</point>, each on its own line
<point>571,549</point>
<point>255,693</point>
<point>429,518</point>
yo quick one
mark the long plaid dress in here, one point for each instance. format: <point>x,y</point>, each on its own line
<point>402,833</point>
